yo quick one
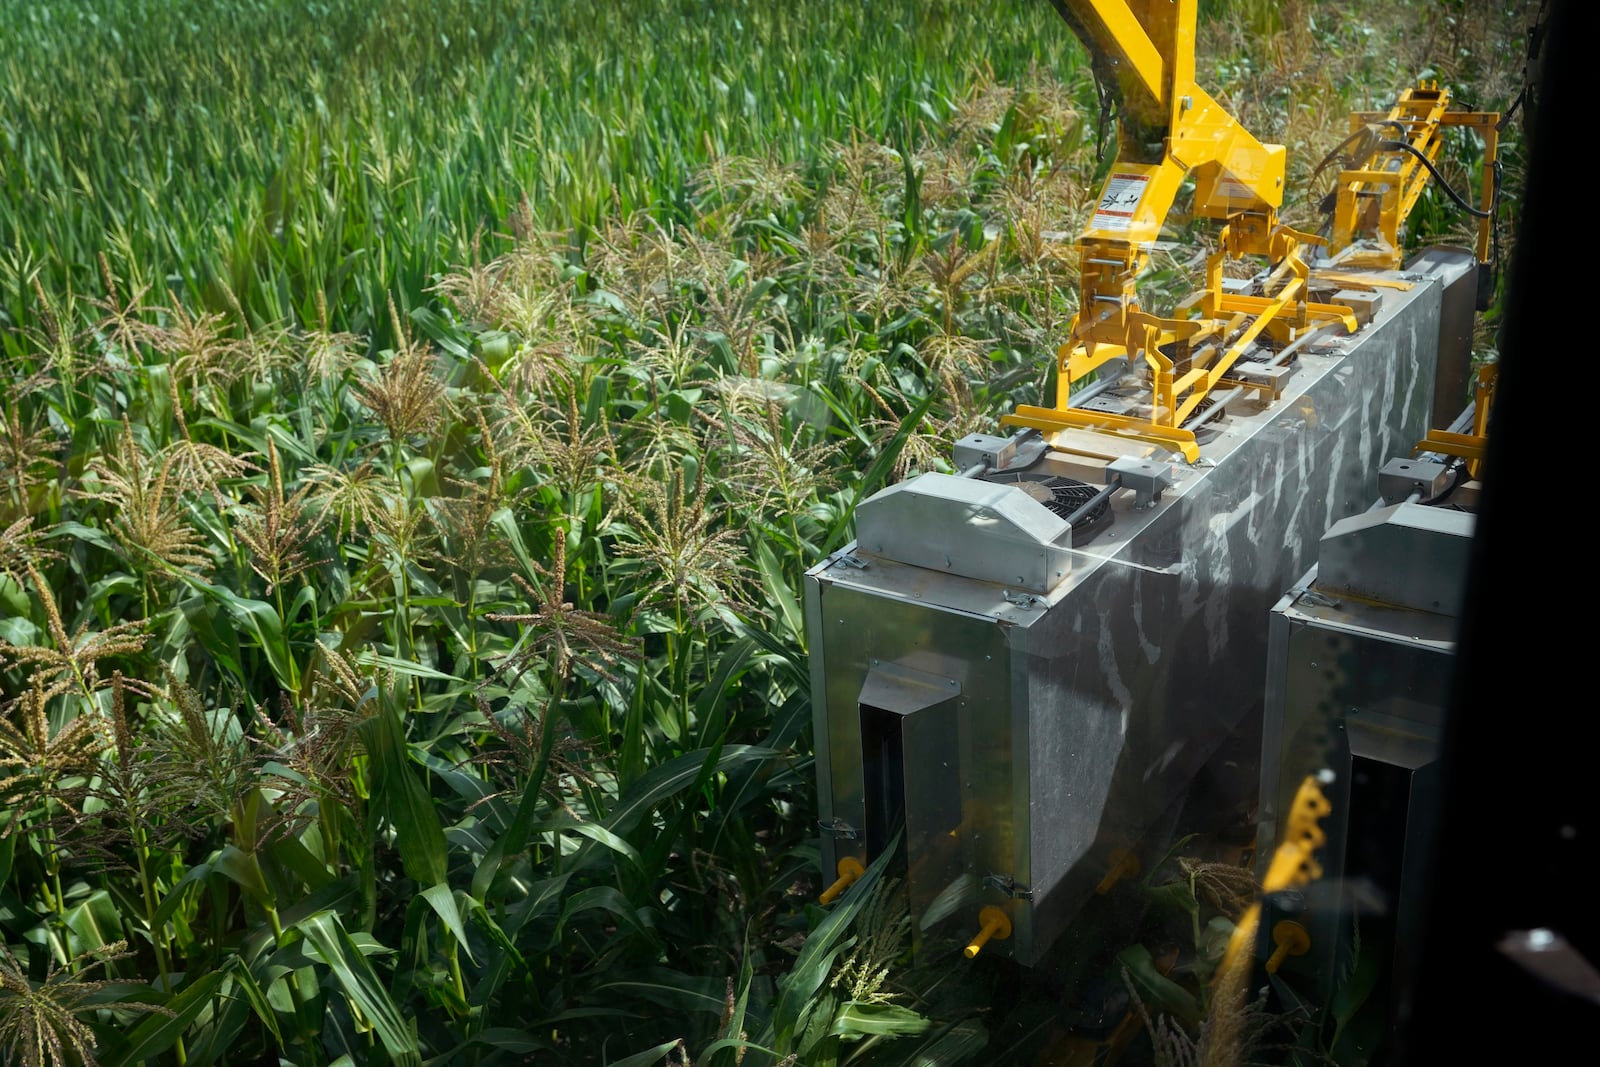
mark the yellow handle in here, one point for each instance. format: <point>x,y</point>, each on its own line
<point>995,924</point>
<point>1124,864</point>
<point>1291,939</point>
<point>849,870</point>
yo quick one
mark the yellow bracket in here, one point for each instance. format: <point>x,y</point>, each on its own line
<point>994,925</point>
<point>1049,420</point>
<point>1460,445</point>
<point>1284,315</point>
<point>1361,281</point>
<point>1293,866</point>
<point>850,869</point>
<point>1375,197</point>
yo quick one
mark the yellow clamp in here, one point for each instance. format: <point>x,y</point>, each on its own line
<point>1291,939</point>
<point>849,870</point>
<point>995,924</point>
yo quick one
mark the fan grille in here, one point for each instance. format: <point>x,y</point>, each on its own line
<point>1062,496</point>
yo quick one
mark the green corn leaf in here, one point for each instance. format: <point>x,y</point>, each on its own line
<point>953,1045</point>
<point>604,898</point>
<point>258,619</point>
<point>257,998</point>
<point>242,869</point>
<point>672,777</point>
<point>1156,988</point>
<point>884,462</point>
<point>220,641</point>
<point>594,832</point>
<point>405,667</point>
<point>630,761</point>
<point>155,1034</point>
<point>94,922</point>
<point>714,697</point>
<point>735,1026</point>
<point>790,618</point>
<point>401,799</point>
<point>648,1058</point>
<point>668,988</point>
<point>362,987</point>
<point>798,989</point>
<point>443,902</point>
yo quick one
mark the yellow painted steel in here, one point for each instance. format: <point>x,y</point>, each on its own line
<point>1373,200</point>
<point>1149,44</point>
<point>1123,864</point>
<point>994,924</point>
<point>1290,939</point>
<point>1049,420</point>
<point>1469,446</point>
<point>850,869</point>
<point>1169,128</point>
<point>1363,281</point>
<point>1293,866</point>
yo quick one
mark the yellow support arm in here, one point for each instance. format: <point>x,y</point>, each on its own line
<point>1168,128</point>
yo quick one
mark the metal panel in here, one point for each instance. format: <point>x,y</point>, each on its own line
<point>865,638</point>
<point>1359,688</point>
<point>1405,555</point>
<point>1086,712</point>
<point>1458,270</point>
<point>976,529</point>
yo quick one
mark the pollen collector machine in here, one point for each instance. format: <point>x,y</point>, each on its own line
<point>1024,666</point>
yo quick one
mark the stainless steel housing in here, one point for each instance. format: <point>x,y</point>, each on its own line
<point>1026,725</point>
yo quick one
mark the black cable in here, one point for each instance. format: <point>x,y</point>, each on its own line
<point>1477,213</point>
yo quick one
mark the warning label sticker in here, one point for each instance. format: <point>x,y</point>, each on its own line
<point>1232,190</point>
<point>1119,201</point>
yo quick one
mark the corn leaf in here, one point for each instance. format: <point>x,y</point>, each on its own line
<point>360,984</point>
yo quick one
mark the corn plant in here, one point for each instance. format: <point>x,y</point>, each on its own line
<point>404,515</point>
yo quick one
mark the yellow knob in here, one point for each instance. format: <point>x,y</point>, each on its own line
<point>994,924</point>
<point>1124,864</point>
<point>849,870</point>
<point>1291,939</point>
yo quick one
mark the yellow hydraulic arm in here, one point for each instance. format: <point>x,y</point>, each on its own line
<point>1168,128</point>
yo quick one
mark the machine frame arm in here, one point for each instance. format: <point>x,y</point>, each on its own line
<point>1169,127</point>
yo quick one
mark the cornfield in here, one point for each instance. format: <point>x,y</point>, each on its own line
<point>417,421</point>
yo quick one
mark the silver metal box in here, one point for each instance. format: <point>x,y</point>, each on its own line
<point>1026,725</point>
<point>1360,656</point>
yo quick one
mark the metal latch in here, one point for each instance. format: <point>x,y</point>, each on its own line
<point>839,829</point>
<point>1022,600</point>
<point>1007,885</point>
<point>847,560</point>
<point>1311,596</point>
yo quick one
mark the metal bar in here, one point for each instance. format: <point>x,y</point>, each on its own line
<point>1051,420</point>
<point>1089,505</point>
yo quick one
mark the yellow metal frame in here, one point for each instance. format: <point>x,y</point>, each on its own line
<point>1374,200</point>
<point>1469,446</point>
<point>1150,46</point>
